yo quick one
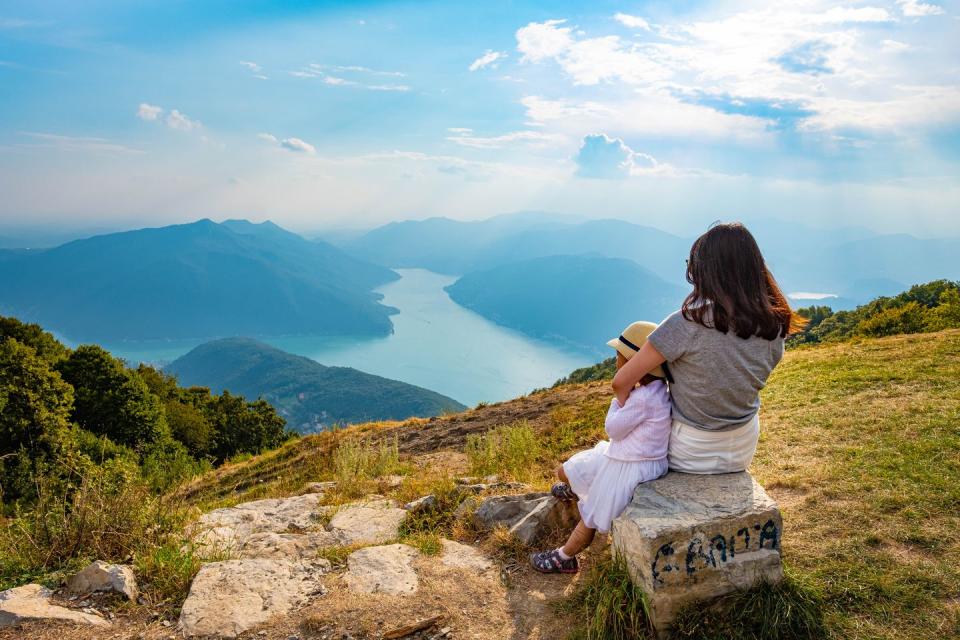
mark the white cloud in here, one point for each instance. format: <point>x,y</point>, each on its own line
<point>149,112</point>
<point>601,156</point>
<point>544,40</point>
<point>268,137</point>
<point>460,130</point>
<point>75,143</point>
<point>850,14</point>
<point>298,146</point>
<point>387,87</point>
<point>338,81</point>
<point>632,22</point>
<point>319,71</point>
<point>252,66</point>
<point>894,46</point>
<point>181,122</point>
<point>916,8</point>
<point>535,138</point>
<point>489,58</point>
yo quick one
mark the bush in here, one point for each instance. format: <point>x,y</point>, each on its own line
<point>356,462</point>
<point>509,450</point>
<point>892,321</point>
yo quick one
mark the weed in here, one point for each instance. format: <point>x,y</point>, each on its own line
<point>166,571</point>
<point>509,450</point>
<point>608,604</point>
<point>356,462</point>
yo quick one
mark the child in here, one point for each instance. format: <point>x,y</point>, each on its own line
<point>603,478</point>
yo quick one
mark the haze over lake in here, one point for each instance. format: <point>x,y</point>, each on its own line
<point>436,344</point>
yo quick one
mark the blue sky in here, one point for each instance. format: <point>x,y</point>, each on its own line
<point>349,114</point>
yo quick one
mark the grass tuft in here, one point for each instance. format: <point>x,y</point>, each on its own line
<point>509,451</point>
<point>607,604</point>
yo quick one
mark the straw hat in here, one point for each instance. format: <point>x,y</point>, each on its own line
<point>632,338</point>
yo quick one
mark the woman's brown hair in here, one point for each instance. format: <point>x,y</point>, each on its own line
<point>732,288</point>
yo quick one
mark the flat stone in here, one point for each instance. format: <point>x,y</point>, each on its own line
<point>384,569</point>
<point>318,487</point>
<point>462,556</point>
<point>288,546</point>
<point>689,538</point>
<point>390,482</point>
<point>230,597</point>
<point>31,602</point>
<point>530,516</point>
<point>371,522</point>
<point>422,505</point>
<point>229,527</point>
<point>103,576</point>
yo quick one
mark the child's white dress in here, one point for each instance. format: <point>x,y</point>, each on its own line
<point>604,477</point>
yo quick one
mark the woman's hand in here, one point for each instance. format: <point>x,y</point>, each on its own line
<point>636,367</point>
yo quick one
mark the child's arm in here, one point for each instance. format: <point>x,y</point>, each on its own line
<point>622,419</point>
<point>636,367</point>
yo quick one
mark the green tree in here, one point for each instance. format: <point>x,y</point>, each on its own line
<point>112,400</point>
<point>34,424</point>
<point>946,315</point>
<point>244,427</point>
<point>908,318</point>
<point>32,335</point>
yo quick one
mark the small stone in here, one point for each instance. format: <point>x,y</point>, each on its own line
<point>422,505</point>
<point>32,602</point>
<point>530,517</point>
<point>102,576</point>
<point>463,556</point>
<point>318,487</point>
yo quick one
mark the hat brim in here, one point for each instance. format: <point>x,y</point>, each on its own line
<point>628,353</point>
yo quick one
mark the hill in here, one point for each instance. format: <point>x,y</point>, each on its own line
<point>579,300</point>
<point>194,281</point>
<point>309,395</point>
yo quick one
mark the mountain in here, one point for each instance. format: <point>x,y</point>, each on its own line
<point>196,280</point>
<point>308,394</point>
<point>579,300</point>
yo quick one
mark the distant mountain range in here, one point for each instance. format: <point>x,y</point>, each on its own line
<point>853,263</point>
<point>580,301</point>
<point>198,280</point>
<point>309,395</point>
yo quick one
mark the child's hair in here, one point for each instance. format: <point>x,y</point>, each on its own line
<point>732,288</point>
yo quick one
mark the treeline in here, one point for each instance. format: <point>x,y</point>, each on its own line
<point>933,306</point>
<point>923,308</point>
<point>67,413</point>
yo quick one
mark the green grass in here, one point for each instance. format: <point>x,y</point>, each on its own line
<point>606,604</point>
<point>510,451</point>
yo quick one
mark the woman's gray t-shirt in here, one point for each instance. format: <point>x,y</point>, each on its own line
<point>717,377</point>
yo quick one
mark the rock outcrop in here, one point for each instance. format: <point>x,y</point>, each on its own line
<point>370,522</point>
<point>530,516</point>
<point>228,528</point>
<point>32,602</point>
<point>385,569</point>
<point>689,538</point>
<point>230,597</point>
<point>102,576</point>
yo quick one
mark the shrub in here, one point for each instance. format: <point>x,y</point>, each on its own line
<point>356,462</point>
<point>509,450</point>
<point>906,319</point>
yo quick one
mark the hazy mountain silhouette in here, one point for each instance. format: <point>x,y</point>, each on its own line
<point>578,300</point>
<point>308,394</point>
<point>193,281</point>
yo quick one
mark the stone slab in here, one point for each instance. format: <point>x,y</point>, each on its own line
<point>229,527</point>
<point>372,522</point>
<point>385,569</point>
<point>462,556</point>
<point>31,602</point>
<point>689,538</point>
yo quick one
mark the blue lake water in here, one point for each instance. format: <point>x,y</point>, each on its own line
<point>436,344</point>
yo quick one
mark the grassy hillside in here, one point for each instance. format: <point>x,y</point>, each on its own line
<point>860,445</point>
<point>308,394</point>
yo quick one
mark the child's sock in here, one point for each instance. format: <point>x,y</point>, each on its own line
<point>563,556</point>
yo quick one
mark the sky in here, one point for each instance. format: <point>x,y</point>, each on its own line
<point>341,115</point>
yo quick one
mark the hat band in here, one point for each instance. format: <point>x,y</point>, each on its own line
<point>628,343</point>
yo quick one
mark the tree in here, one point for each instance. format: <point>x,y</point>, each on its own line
<point>32,335</point>
<point>243,427</point>
<point>34,424</point>
<point>112,400</point>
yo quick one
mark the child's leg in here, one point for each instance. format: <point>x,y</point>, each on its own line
<point>579,540</point>
<point>562,475</point>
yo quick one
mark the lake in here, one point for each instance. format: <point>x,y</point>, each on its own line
<point>436,344</point>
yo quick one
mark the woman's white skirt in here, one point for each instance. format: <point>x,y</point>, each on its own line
<point>604,485</point>
<point>695,450</point>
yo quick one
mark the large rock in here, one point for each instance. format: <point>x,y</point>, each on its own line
<point>462,556</point>
<point>227,598</point>
<point>102,576</point>
<point>32,602</point>
<point>229,527</point>
<point>530,516</point>
<point>287,546</point>
<point>371,522</point>
<point>386,569</point>
<point>690,538</point>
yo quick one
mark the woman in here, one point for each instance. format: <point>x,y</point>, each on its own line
<point>719,350</point>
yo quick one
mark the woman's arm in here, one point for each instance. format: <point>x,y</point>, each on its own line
<point>636,367</point>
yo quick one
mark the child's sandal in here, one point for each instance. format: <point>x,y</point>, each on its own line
<point>551,562</point>
<point>562,491</point>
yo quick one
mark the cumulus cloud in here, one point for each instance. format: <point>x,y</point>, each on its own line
<point>488,59</point>
<point>601,156</point>
<point>539,41</point>
<point>149,112</point>
<point>916,8</point>
<point>632,22</point>
<point>268,137</point>
<point>181,122</point>
<point>297,146</point>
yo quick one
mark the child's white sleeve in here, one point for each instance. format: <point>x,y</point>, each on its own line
<point>622,420</point>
